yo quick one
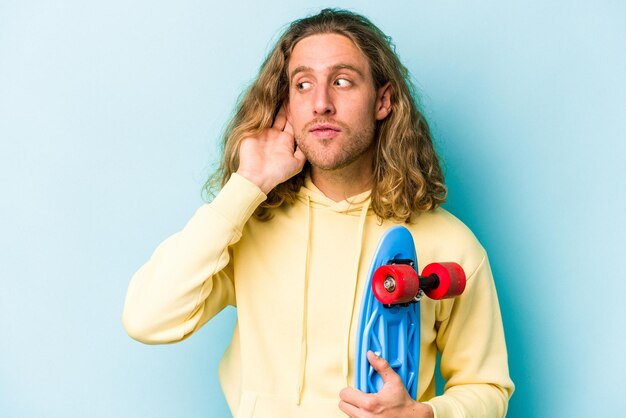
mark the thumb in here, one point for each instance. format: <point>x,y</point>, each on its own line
<point>382,367</point>
<point>299,155</point>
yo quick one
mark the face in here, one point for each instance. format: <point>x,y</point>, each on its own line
<point>333,104</point>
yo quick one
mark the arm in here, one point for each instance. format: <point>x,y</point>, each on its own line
<point>189,278</point>
<point>474,359</point>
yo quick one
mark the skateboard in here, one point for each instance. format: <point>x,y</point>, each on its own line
<point>389,322</point>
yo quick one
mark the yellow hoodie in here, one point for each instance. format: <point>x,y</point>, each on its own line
<point>297,282</point>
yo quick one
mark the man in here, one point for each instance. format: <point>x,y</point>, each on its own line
<point>326,151</point>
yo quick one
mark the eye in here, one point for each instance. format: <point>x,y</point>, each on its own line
<point>342,82</point>
<point>303,85</point>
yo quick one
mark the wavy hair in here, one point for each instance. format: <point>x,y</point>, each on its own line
<point>407,174</point>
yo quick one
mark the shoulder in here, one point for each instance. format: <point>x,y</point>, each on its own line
<point>441,236</point>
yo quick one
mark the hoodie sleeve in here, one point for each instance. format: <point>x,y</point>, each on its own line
<point>474,359</point>
<point>189,277</point>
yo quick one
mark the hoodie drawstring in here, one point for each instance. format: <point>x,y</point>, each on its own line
<point>359,249</point>
<point>303,339</point>
<point>350,304</point>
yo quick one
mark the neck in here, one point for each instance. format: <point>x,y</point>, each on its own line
<point>345,182</point>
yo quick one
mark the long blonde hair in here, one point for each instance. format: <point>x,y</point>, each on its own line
<point>407,175</point>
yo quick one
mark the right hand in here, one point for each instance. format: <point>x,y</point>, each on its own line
<point>269,159</point>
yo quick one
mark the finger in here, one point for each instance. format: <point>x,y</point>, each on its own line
<point>382,367</point>
<point>299,155</point>
<point>280,119</point>
<point>350,395</point>
<point>357,398</point>
<point>349,410</point>
<point>288,128</point>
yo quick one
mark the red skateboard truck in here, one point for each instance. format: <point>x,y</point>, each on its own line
<point>397,283</point>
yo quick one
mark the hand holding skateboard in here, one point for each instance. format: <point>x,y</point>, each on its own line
<point>392,400</point>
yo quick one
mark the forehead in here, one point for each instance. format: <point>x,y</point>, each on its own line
<point>323,51</point>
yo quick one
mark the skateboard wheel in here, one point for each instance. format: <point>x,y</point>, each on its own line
<point>451,280</point>
<point>395,283</point>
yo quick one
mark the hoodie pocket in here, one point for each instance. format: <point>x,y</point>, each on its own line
<point>246,406</point>
<point>260,405</point>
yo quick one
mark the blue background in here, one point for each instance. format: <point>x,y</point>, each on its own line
<point>109,115</point>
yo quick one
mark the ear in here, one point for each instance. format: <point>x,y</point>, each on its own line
<point>383,101</point>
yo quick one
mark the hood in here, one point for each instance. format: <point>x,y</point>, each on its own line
<point>357,206</point>
<point>310,194</point>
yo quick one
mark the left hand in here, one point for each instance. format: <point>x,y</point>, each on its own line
<point>392,400</point>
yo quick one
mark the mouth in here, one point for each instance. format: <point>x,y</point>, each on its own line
<point>324,130</point>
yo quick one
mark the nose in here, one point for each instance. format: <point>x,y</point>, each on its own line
<point>323,105</point>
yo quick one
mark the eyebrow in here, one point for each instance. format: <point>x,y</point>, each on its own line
<point>303,69</point>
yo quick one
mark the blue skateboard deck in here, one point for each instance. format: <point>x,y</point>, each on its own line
<point>391,332</point>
